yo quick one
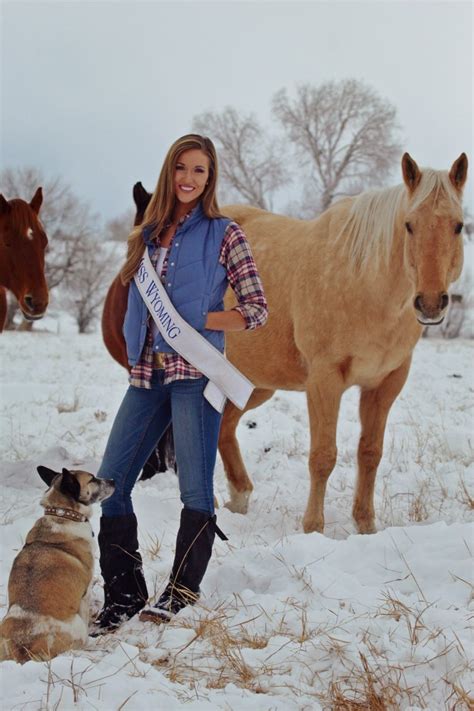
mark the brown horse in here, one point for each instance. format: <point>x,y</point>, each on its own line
<point>22,246</point>
<point>347,295</point>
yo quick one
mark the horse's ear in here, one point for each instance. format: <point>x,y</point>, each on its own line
<point>411,172</point>
<point>5,206</point>
<point>141,197</point>
<point>458,172</point>
<point>47,474</point>
<point>36,200</point>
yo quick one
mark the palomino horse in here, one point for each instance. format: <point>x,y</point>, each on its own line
<point>22,245</point>
<point>348,293</point>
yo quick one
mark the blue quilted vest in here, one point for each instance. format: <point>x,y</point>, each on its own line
<point>195,282</point>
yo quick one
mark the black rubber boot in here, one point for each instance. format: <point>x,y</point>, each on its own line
<point>194,543</point>
<point>125,591</point>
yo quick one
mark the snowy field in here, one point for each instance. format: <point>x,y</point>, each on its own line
<point>286,620</point>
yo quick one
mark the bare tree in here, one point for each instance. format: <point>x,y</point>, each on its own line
<point>251,163</point>
<point>344,132</point>
<point>84,288</point>
<point>118,228</point>
<point>66,219</point>
<point>468,225</point>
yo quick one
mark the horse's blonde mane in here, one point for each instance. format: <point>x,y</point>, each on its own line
<point>367,235</point>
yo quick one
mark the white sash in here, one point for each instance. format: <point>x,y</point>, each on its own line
<point>224,378</point>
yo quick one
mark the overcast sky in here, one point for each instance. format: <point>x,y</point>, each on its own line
<point>97,91</point>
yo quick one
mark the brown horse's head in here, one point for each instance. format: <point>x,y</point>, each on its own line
<point>22,246</point>
<point>434,243</point>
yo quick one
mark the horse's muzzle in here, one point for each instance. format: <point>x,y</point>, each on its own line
<point>32,317</point>
<point>431,309</point>
<point>33,309</point>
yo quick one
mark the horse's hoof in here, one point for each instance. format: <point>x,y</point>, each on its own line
<point>366,526</point>
<point>239,503</point>
<point>312,524</point>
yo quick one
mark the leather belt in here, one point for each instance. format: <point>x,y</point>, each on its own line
<point>158,360</point>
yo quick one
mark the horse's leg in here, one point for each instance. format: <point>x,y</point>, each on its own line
<point>166,452</point>
<point>374,408</point>
<point>324,391</point>
<point>3,307</point>
<point>240,486</point>
<point>162,458</point>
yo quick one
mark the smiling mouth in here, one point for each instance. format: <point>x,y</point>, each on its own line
<point>186,189</point>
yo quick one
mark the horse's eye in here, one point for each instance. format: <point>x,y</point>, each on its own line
<point>458,228</point>
<point>409,227</point>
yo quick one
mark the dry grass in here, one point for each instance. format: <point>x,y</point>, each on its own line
<point>63,407</point>
<point>393,607</point>
<point>152,546</point>
<point>418,509</point>
<point>226,647</point>
<point>465,497</point>
<point>218,654</point>
<point>459,699</point>
<point>367,689</point>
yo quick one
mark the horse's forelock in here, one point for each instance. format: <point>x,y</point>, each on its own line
<point>22,216</point>
<point>435,184</point>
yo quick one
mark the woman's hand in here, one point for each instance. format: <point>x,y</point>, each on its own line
<point>225,321</point>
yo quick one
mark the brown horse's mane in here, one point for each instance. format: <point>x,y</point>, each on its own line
<point>366,237</point>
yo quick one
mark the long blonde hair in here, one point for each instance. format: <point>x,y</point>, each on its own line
<point>162,203</point>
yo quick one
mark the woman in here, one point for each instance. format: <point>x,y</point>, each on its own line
<point>197,253</point>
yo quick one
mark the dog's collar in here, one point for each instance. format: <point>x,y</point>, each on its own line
<point>60,512</point>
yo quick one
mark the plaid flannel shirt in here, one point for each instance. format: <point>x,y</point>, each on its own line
<point>236,257</point>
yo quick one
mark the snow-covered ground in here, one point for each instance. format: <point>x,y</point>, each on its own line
<point>286,621</point>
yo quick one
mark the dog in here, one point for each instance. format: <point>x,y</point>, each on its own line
<point>48,588</point>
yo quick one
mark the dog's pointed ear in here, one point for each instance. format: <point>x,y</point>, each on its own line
<point>47,474</point>
<point>69,485</point>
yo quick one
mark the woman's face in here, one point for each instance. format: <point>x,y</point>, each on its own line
<point>191,175</point>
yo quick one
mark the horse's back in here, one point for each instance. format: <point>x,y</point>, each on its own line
<point>320,311</point>
<point>262,226</point>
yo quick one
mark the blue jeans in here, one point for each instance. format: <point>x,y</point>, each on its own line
<point>139,424</point>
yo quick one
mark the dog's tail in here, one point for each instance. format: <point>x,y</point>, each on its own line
<point>19,640</point>
<point>11,631</point>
